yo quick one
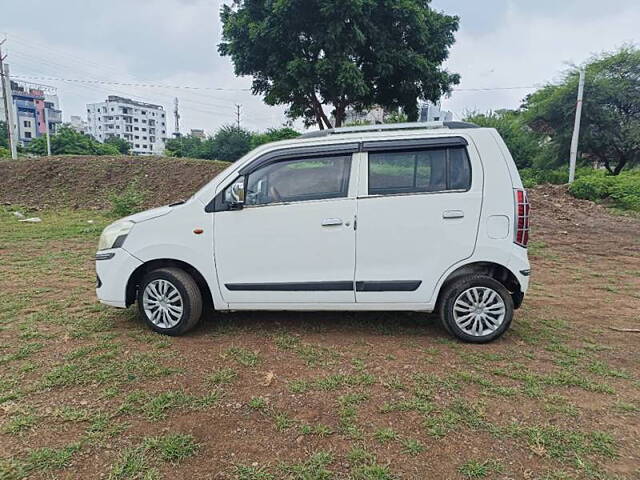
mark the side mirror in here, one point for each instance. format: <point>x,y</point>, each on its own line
<point>234,195</point>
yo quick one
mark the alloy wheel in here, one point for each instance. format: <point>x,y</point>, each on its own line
<point>479,311</point>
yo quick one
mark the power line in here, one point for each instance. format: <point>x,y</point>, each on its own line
<point>493,88</point>
<point>130,84</point>
<point>223,89</point>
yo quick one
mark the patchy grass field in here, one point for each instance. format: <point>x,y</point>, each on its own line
<point>88,392</point>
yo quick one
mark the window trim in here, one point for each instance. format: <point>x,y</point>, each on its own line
<point>218,203</point>
<point>368,193</point>
<point>343,193</point>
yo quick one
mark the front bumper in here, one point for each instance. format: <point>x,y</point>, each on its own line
<point>113,269</point>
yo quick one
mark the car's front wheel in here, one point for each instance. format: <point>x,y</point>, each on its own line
<point>476,309</point>
<point>169,301</point>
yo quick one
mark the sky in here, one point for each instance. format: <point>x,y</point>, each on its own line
<point>503,50</point>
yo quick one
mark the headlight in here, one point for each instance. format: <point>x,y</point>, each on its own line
<point>114,235</point>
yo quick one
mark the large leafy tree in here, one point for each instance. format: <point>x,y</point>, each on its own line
<point>610,130</point>
<point>68,141</point>
<point>525,145</point>
<point>120,143</point>
<point>320,57</point>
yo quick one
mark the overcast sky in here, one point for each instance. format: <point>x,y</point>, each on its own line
<point>500,44</point>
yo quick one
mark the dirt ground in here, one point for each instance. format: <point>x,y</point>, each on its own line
<point>89,182</point>
<point>87,392</point>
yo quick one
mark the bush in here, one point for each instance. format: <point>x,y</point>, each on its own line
<point>622,190</point>
<point>128,202</point>
<point>558,176</point>
<point>5,152</point>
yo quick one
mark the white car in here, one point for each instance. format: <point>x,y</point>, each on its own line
<point>406,217</point>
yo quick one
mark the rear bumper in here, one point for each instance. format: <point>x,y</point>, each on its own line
<point>112,275</point>
<point>520,267</point>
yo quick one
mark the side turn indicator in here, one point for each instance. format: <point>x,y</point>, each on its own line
<point>198,231</point>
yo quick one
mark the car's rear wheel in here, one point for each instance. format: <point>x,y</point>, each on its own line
<point>476,309</point>
<point>169,301</point>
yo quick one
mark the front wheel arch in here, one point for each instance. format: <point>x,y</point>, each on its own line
<point>139,273</point>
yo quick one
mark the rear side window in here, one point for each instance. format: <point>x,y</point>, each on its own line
<point>299,180</point>
<point>415,171</point>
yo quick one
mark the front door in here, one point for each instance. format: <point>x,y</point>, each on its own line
<point>294,241</point>
<point>417,216</point>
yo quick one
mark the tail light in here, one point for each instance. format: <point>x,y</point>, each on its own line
<point>522,218</point>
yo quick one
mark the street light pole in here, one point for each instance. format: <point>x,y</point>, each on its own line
<point>576,129</point>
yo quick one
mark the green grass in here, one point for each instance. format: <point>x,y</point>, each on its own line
<point>20,422</point>
<point>258,403</point>
<point>172,447</point>
<point>133,464</point>
<point>384,435</point>
<point>243,356</point>
<point>478,469</point>
<point>224,376</point>
<point>158,406</point>
<point>411,446</point>
<point>44,460</point>
<point>251,472</point>
<point>315,468</point>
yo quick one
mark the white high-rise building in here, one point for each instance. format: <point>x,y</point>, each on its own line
<point>143,125</point>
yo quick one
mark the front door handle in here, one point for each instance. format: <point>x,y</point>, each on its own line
<point>453,214</point>
<point>331,222</point>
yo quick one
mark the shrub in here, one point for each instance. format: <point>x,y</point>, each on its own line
<point>623,190</point>
<point>4,152</point>
<point>129,201</point>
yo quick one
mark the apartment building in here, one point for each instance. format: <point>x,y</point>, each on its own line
<point>143,125</point>
<point>34,106</point>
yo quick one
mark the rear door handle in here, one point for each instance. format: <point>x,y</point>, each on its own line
<point>453,214</point>
<point>331,222</point>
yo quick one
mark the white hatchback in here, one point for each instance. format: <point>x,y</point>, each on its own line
<point>407,217</point>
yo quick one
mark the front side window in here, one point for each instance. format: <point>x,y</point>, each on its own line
<point>416,171</point>
<point>299,180</point>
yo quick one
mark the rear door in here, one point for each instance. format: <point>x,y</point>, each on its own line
<point>419,205</point>
<point>293,242</point>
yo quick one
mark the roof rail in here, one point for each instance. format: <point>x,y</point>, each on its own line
<point>388,127</point>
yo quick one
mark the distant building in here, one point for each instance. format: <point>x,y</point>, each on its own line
<point>34,106</point>
<point>372,116</point>
<point>198,132</point>
<point>143,125</point>
<point>78,124</point>
<point>430,112</point>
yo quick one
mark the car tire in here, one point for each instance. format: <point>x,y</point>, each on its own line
<point>476,309</point>
<point>169,301</point>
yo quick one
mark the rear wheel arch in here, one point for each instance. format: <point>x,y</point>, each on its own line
<point>491,269</point>
<point>139,273</point>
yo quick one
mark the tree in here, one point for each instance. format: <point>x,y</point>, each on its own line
<point>273,135</point>
<point>68,141</point>
<point>610,130</point>
<point>4,135</point>
<point>187,146</point>
<point>228,144</point>
<point>120,143</point>
<point>525,145</point>
<point>318,54</point>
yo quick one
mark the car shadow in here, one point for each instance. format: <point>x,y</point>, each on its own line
<point>346,323</point>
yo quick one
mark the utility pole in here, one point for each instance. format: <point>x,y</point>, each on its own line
<point>46,126</point>
<point>238,107</point>
<point>576,129</point>
<point>8,102</point>
<point>176,113</point>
